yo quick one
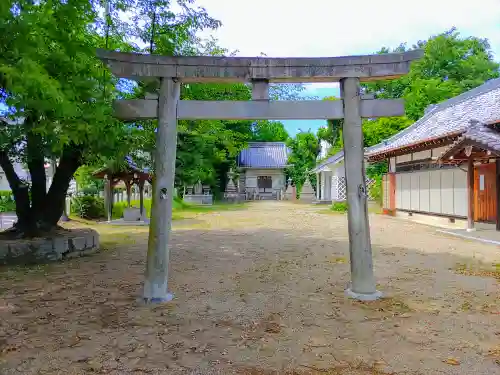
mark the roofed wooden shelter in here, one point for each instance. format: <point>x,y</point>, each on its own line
<point>130,174</point>
<point>446,164</point>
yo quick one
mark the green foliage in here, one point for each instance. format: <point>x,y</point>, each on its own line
<point>86,182</point>
<point>269,131</point>
<point>304,150</point>
<point>119,207</point>
<point>378,130</point>
<point>376,189</point>
<point>88,207</point>
<point>333,130</point>
<point>7,203</point>
<point>339,207</point>
<point>377,169</point>
<point>450,66</point>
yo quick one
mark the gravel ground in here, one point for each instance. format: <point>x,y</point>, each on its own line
<point>259,291</point>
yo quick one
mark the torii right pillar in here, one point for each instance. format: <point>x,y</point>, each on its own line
<point>363,286</point>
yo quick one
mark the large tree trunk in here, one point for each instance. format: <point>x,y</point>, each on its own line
<point>39,216</point>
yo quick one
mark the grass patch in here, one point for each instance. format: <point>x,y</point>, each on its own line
<point>339,207</point>
<point>179,207</point>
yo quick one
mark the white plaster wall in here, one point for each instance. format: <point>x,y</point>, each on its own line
<point>392,165</point>
<point>339,170</point>
<point>422,155</point>
<point>327,176</point>
<point>278,177</point>
<point>438,151</point>
<point>440,191</point>
<point>403,158</point>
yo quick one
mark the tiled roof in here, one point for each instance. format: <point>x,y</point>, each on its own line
<point>264,155</point>
<point>478,134</point>
<point>337,158</point>
<point>133,166</point>
<point>453,115</point>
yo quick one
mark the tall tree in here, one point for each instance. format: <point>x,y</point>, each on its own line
<point>59,94</point>
<point>269,131</point>
<point>54,88</point>
<point>304,151</point>
<point>451,65</point>
<point>331,133</point>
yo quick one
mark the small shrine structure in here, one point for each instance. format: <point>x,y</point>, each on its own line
<point>307,193</point>
<point>231,193</point>
<point>198,195</point>
<point>131,175</point>
<point>290,194</point>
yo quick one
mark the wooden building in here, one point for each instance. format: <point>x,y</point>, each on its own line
<point>263,170</point>
<point>445,164</point>
<point>331,180</point>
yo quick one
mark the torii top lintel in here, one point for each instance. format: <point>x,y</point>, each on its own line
<point>245,69</point>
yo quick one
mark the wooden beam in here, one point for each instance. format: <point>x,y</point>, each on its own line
<point>470,190</point>
<point>257,110</point>
<point>497,174</point>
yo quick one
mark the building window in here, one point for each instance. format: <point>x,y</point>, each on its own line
<point>264,182</point>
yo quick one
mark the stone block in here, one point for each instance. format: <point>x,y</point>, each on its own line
<point>4,251</point>
<point>60,245</point>
<point>89,240</point>
<point>42,250</point>
<point>97,244</point>
<point>18,249</point>
<point>132,214</point>
<point>77,243</point>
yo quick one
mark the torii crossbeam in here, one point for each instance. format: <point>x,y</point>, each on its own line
<point>166,105</point>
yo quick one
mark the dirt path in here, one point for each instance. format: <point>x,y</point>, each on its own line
<point>258,290</point>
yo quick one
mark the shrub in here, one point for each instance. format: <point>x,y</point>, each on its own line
<point>339,207</point>
<point>7,203</point>
<point>119,207</point>
<point>88,207</point>
<point>89,190</point>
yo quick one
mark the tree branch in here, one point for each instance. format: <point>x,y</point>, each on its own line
<point>70,161</point>
<point>8,168</point>
<point>19,189</point>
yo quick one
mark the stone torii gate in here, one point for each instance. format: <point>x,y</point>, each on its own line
<point>167,107</point>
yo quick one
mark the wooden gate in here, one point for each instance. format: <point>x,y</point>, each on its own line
<point>485,205</point>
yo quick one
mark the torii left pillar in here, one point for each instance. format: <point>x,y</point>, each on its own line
<point>156,281</point>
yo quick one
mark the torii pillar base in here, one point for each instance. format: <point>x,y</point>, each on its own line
<point>363,297</point>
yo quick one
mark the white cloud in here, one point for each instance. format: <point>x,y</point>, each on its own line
<point>335,28</point>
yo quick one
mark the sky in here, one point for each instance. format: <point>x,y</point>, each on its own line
<point>324,28</point>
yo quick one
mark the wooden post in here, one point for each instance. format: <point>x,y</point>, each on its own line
<point>141,197</point>
<point>109,195</point>
<point>128,186</point>
<point>497,174</point>
<point>318,186</point>
<point>363,285</point>
<point>470,191</point>
<point>156,282</point>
